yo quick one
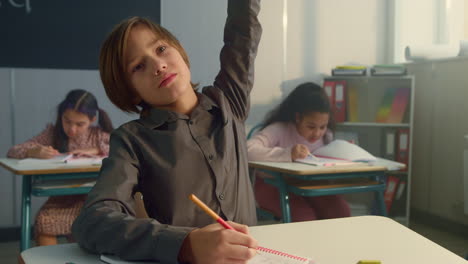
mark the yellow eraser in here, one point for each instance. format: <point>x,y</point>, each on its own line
<point>369,262</point>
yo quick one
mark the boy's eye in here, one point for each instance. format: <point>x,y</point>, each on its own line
<point>161,49</point>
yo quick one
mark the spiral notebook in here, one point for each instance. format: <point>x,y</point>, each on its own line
<point>264,256</point>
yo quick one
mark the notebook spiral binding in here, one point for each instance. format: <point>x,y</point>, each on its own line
<point>279,253</point>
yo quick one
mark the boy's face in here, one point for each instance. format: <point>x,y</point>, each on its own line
<point>156,70</point>
<point>312,126</point>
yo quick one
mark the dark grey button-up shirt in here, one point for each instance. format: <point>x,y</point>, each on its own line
<point>167,156</point>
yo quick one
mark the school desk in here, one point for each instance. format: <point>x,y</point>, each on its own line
<point>308,180</point>
<point>35,173</point>
<point>332,241</point>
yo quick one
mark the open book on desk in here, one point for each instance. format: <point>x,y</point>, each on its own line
<point>338,152</point>
<point>61,158</point>
<point>341,152</point>
<point>263,256</point>
<point>64,158</point>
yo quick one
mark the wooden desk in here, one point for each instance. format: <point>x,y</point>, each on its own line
<point>332,241</point>
<point>281,171</point>
<point>43,173</point>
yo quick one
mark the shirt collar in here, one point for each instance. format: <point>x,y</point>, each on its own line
<point>158,117</point>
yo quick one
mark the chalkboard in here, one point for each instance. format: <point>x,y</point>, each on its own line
<point>62,34</point>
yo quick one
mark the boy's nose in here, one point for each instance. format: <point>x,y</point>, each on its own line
<point>159,67</point>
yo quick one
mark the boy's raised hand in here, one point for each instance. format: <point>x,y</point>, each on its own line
<point>299,151</point>
<point>215,244</point>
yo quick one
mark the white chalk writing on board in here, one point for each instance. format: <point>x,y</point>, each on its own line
<point>26,4</point>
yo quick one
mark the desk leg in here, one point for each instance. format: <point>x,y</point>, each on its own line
<point>379,197</point>
<point>284,200</point>
<point>26,213</point>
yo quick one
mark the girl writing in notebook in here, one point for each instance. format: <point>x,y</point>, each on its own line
<point>185,141</point>
<point>73,132</point>
<point>301,124</point>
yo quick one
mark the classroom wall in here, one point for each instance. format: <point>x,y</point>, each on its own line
<point>440,123</point>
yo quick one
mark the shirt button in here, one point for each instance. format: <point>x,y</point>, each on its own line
<point>210,156</point>
<point>190,122</point>
<point>221,196</point>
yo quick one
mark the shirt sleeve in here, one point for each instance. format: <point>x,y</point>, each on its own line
<point>241,38</point>
<point>44,138</point>
<point>107,222</point>
<point>263,146</point>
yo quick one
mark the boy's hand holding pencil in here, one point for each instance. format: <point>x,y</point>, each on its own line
<point>225,242</point>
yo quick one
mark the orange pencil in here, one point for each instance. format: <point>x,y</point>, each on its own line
<point>210,212</point>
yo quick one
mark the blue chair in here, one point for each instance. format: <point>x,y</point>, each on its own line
<point>367,182</point>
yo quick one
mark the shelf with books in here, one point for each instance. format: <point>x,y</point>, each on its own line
<point>376,112</point>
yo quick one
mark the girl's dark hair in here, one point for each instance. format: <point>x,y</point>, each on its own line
<point>306,98</point>
<point>83,102</point>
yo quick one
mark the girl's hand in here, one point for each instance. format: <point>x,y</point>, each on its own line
<point>42,152</point>
<point>85,152</point>
<point>299,151</point>
<point>215,244</point>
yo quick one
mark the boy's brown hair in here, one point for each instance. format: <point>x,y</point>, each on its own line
<point>112,66</point>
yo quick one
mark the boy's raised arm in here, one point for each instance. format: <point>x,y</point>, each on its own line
<point>241,38</point>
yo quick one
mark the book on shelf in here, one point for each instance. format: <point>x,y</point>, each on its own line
<point>388,143</point>
<point>393,106</point>
<point>388,70</point>
<point>390,191</point>
<point>349,72</point>
<point>402,146</point>
<point>336,92</point>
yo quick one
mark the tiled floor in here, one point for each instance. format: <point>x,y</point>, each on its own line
<point>453,242</point>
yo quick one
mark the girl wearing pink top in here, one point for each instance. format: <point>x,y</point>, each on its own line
<point>72,133</point>
<point>301,124</point>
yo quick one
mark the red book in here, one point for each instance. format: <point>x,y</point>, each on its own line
<point>399,104</point>
<point>402,149</point>
<point>329,87</point>
<point>390,191</point>
<point>340,102</point>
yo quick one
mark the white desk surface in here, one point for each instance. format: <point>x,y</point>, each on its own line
<point>45,168</point>
<point>297,168</point>
<point>334,241</point>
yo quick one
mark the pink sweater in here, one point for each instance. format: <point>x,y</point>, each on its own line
<point>94,137</point>
<point>274,142</point>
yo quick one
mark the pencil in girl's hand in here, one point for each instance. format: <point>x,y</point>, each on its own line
<point>210,212</point>
<point>312,156</point>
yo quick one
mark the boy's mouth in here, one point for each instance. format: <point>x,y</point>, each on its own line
<point>167,79</point>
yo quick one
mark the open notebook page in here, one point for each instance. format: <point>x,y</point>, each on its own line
<point>61,158</point>
<point>264,256</point>
<point>316,161</point>
<point>341,149</point>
